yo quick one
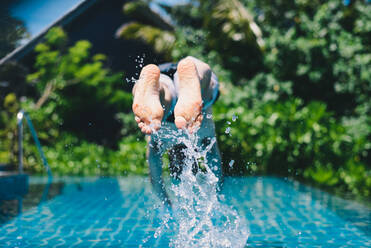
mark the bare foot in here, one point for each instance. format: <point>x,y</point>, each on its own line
<point>146,104</point>
<point>187,111</point>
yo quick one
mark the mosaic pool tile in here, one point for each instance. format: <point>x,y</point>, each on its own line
<point>122,212</point>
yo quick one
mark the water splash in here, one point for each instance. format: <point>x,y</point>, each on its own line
<point>227,130</point>
<point>139,60</point>
<point>200,218</point>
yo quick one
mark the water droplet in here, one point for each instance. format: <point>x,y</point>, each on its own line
<point>227,130</point>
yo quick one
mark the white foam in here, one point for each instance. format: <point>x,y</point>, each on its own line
<point>200,218</point>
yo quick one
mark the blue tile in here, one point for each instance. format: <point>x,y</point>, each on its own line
<point>121,212</point>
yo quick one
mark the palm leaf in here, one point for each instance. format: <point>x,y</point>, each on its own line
<point>141,12</point>
<point>162,41</point>
<point>235,22</point>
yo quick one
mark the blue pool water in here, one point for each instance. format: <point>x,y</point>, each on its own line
<point>123,212</point>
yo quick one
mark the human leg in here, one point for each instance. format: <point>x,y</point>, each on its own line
<point>154,158</point>
<point>177,157</point>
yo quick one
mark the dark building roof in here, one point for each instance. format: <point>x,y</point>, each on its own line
<point>96,21</point>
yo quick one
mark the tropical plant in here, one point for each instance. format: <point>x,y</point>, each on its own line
<point>79,106</point>
<point>150,28</point>
<point>231,31</point>
<point>294,83</point>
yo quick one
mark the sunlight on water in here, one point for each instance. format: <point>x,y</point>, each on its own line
<point>199,216</point>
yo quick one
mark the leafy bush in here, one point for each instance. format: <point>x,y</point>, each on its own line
<point>70,155</point>
<point>323,50</point>
<point>80,114</point>
<point>306,113</point>
<point>294,92</point>
<point>8,124</point>
<point>76,90</point>
<point>290,138</point>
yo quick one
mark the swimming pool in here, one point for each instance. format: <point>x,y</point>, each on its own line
<point>122,212</point>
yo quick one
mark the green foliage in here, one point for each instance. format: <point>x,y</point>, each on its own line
<point>230,30</point>
<point>8,124</point>
<point>290,138</point>
<point>305,112</point>
<point>161,41</point>
<point>72,156</point>
<point>149,28</point>
<point>140,11</point>
<point>233,33</point>
<point>295,87</point>
<point>322,48</point>
<point>74,87</point>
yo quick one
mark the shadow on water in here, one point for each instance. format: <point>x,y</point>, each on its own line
<point>15,187</point>
<point>39,191</point>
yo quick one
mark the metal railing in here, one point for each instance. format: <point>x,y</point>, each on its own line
<point>20,116</point>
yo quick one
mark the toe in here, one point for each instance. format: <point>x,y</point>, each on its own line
<point>156,124</point>
<point>143,128</point>
<point>137,119</point>
<point>148,130</point>
<point>180,122</point>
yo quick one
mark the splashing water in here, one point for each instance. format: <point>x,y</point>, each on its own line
<point>200,218</point>
<point>139,60</point>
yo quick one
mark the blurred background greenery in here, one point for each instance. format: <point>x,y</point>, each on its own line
<point>295,90</point>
